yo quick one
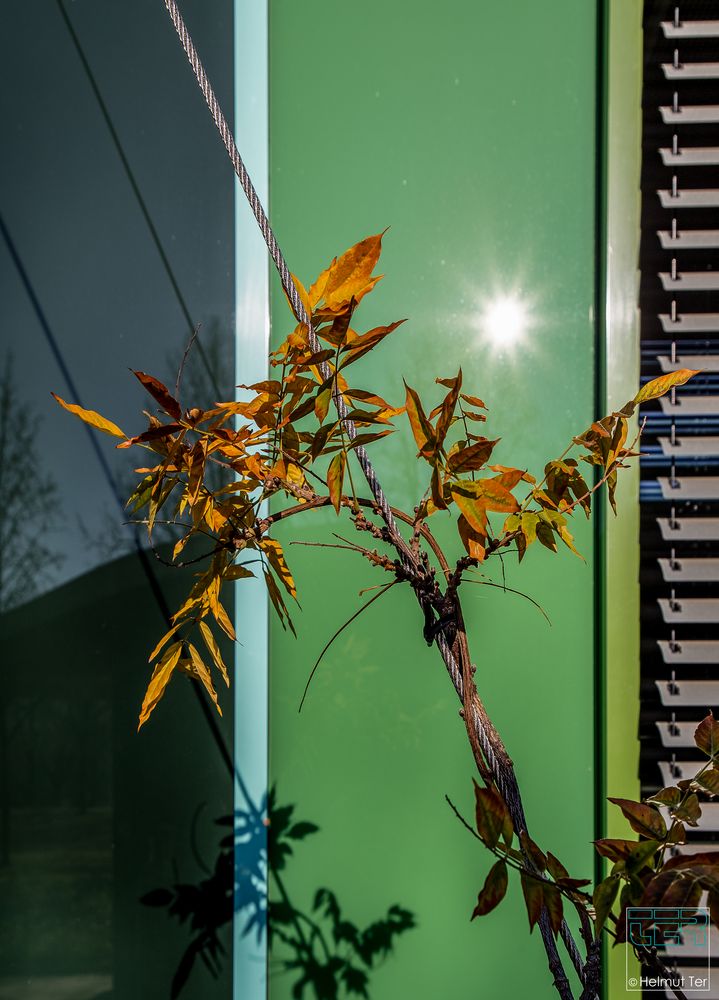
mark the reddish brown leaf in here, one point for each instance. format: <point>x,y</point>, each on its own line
<point>493,891</point>
<point>490,813</point>
<point>706,735</point>
<point>421,427</point>
<point>533,898</point>
<point>160,393</point>
<point>643,819</point>
<point>471,459</point>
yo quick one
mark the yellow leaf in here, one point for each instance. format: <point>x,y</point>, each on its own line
<point>352,272</point>
<point>90,417</point>
<point>273,550</point>
<point>659,386</point>
<point>335,477</point>
<point>204,674</point>
<point>179,546</point>
<point>304,297</point>
<point>317,288</point>
<point>214,650</point>
<point>159,681</point>
<point>223,620</point>
<point>161,643</point>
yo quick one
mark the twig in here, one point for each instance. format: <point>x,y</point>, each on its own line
<point>181,369</point>
<point>337,633</point>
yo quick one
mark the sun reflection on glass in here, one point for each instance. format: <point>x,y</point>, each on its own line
<point>504,320</point>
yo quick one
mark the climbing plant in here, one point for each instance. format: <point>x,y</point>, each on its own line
<point>296,442</point>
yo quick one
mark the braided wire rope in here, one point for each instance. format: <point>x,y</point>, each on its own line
<point>505,783</point>
<point>278,259</point>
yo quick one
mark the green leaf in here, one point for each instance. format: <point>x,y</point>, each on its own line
<point>604,895</point>
<point>641,854</point>
<point>493,891</point>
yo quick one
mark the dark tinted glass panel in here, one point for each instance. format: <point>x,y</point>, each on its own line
<point>116,242</point>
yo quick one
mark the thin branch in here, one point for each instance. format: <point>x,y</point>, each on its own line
<point>185,356</point>
<point>509,590</point>
<point>337,633</point>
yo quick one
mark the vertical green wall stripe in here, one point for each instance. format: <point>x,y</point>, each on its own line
<point>252,339</point>
<point>621,366</point>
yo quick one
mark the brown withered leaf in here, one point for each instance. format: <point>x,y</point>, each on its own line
<point>710,780</point>
<point>490,813</point>
<point>90,417</point>
<point>643,819</point>
<point>421,427</point>
<point>553,901</point>
<point>533,898</point>
<point>153,434</point>
<point>160,394</point>
<point>471,459</point>
<point>448,407</point>
<point>706,735</point>
<point>493,891</point>
<point>533,852</point>
<point>474,541</point>
<point>355,349</point>
<point>690,811</point>
<point>673,888</point>
<point>473,401</point>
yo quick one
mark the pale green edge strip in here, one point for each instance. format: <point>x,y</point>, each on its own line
<point>252,344</point>
<point>621,345</point>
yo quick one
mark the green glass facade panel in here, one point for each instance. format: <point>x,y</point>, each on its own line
<point>470,130</point>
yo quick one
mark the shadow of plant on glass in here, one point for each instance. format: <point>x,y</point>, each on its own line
<point>330,956</point>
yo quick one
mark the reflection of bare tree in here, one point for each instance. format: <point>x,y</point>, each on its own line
<point>28,500</point>
<point>29,513</point>
<point>207,376</point>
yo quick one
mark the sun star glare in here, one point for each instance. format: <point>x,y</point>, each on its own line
<point>505,320</point>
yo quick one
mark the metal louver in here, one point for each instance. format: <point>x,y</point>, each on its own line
<point>680,329</point>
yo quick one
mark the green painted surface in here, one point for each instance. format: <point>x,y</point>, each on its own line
<point>469,128</point>
<point>621,359</point>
